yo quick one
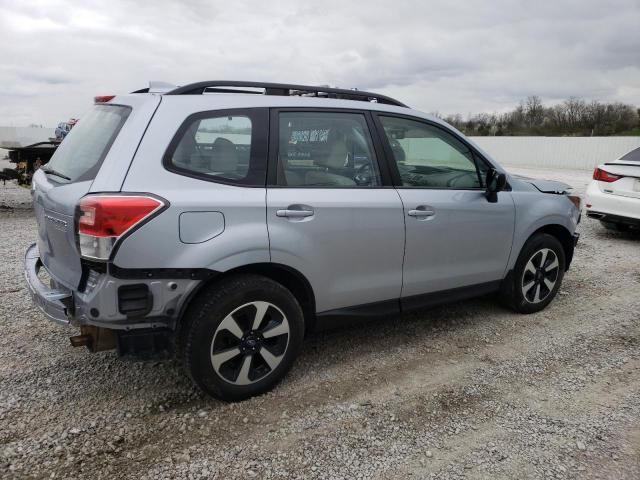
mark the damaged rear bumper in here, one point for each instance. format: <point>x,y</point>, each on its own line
<point>54,301</point>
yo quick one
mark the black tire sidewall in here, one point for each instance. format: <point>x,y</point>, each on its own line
<point>214,305</point>
<point>535,243</point>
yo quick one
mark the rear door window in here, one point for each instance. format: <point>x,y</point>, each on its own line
<point>84,148</point>
<point>326,149</point>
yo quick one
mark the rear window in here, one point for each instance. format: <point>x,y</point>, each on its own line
<point>218,147</point>
<point>81,153</point>
<point>221,146</point>
<point>633,155</point>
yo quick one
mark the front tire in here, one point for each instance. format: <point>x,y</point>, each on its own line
<point>537,275</point>
<point>241,337</point>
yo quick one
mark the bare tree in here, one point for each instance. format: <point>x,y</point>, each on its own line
<point>574,109</point>
<point>574,116</point>
<point>533,110</point>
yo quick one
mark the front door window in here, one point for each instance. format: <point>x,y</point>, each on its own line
<point>429,157</point>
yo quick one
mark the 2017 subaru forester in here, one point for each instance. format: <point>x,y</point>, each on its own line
<point>226,218</point>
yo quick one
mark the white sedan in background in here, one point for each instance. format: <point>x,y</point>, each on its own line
<point>613,197</point>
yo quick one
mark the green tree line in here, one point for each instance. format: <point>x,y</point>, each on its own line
<point>573,117</point>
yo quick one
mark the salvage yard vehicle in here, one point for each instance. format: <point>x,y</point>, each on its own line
<point>613,196</point>
<point>63,129</point>
<point>28,159</point>
<point>223,220</point>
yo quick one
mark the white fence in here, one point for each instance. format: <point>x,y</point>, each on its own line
<point>579,153</point>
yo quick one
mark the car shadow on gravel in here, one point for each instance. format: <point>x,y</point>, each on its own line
<point>425,322</point>
<point>602,233</point>
<point>161,384</point>
<point>376,339</point>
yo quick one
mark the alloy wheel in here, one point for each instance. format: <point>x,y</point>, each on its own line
<point>540,275</point>
<point>250,343</point>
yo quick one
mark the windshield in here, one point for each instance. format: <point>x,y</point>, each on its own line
<point>633,156</point>
<point>81,153</point>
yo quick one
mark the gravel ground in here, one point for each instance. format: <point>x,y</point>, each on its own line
<point>469,390</point>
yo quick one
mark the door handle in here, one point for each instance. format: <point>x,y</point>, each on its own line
<point>421,212</point>
<point>294,213</point>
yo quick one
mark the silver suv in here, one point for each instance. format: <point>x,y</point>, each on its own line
<point>223,220</point>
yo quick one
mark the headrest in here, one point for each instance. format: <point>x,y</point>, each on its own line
<point>224,157</point>
<point>338,153</point>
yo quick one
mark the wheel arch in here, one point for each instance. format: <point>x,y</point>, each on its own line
<point>289,277</point>
<point>564,237</point>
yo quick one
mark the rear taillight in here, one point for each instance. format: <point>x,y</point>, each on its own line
<point>104,219</point>
<point>103,98</point>
<point>604,176</point>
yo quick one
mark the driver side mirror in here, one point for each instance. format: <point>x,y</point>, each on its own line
<point>495,183</point>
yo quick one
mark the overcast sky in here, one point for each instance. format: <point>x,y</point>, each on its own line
<point>445,56</point>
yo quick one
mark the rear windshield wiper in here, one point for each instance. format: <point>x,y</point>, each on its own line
<point>53,172</point>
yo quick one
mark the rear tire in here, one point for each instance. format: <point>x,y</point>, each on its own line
<point>537,275</point>
<point>241,336</point>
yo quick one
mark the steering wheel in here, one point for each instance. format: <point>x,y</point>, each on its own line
<point>363,175</point>
<point>452,182</point>
<point>398,151</point>
<point>232,176</point>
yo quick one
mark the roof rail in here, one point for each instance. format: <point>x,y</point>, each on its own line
<point>284,89</point>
